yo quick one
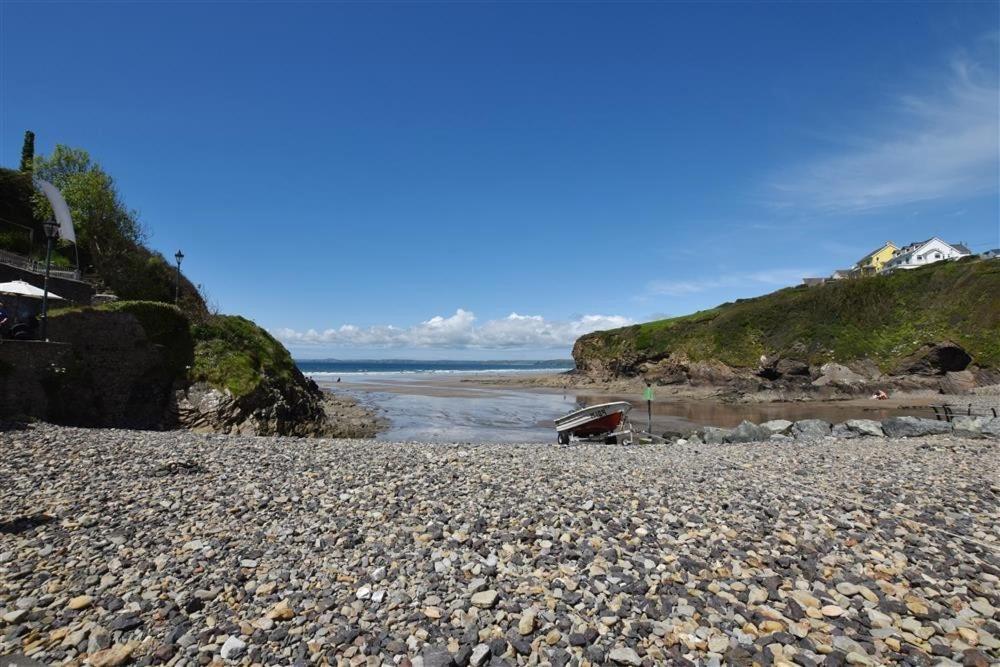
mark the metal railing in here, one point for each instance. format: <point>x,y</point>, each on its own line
<point>35,265</point>
<point>949,412</point>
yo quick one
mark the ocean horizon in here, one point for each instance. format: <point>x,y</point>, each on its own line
<point>328,367</point>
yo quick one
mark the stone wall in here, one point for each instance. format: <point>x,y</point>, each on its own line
<point>74,290</point>
<point>100,370</point>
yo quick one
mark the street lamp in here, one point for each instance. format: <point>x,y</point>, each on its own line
<point>51,234</point>
<point>177,282</point>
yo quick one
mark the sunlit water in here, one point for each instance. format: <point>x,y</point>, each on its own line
<point>423,407</point>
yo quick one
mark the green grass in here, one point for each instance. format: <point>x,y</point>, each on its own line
<point>235,353</point>
<point>882,318</point>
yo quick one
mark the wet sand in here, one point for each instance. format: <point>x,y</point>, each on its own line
<point>466,408</point>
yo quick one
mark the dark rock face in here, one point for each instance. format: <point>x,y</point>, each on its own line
<point>909,427</point>
<point>935,359</point>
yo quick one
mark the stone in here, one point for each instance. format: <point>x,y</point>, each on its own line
<point>485,599</point>
<point>958,382</point>
<point>911,427</point>
<point>480,654</point>
<point>968,426</point>
<point>782,426</point>
<point>437,656</point>
<point>282,611</point>
<point>934,359</point>
<point>839,376</point>
<point>113,656</point>
<point>233,649</point>
<point>625,656</point>
<point>832,610</point>
<point>747,432</point>
<point>714,436</point>
<point>991,428</point>
<point>80,602</point>
<point>865,427</point>
<point>810,428</point>
<point>526,624</point>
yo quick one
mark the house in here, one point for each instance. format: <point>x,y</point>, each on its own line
<point>813,282</point>
<point>873,262</point>
<point>926,252</point>
<point>842,274</point>
<point>991,254</point>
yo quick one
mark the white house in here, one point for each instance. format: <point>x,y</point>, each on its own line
<point>925,252</point>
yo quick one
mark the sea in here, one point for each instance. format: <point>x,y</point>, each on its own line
<point>427,401</point>
<point>324,368</point>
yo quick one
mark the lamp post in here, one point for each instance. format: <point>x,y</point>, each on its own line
<point>51,234</point>
<point>177,281</point>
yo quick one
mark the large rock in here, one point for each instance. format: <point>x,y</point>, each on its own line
<point>869,427</point>
<point>911,427</point>
<point>777,425</point>
<point>714,436</point>
<point>969,426</point>
<point>934,359</point>
<point>958,382</point>
<point>991,428</point>
<point>838,376</point>
<point>811,428</point>
<point>748,432</point>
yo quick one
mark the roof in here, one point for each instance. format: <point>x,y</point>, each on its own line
<point>961,248</point>
<point>877,250</point>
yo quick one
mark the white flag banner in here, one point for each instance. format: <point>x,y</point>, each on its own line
<point>60,209</point>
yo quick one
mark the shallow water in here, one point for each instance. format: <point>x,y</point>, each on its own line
<point>425,408</point>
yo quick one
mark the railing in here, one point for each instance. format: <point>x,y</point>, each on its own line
<point>949,412</point>
<point>35,266</point>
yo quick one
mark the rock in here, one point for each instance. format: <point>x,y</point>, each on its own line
<point>865,427</point>
<point>437,656</point>
<point>714,436</point>
<point>625,656</point>
<point>991,428</point>
<point>526,624</point>
<point>811,428</point>
<point>480,654</point>
<point>113,656</point>
<point>839,376</point>
<point>777,425</point>
<point>910,427</point>
<point>80,602</point>
<point>958,382</point>
<point>748,432</point>
<point>233,649</point>
<point>969,426</point>
<point>281,611</point>
<point>934,359</point>
<point>485,599</point>
<point>841,431</point>
<point>832,610</point>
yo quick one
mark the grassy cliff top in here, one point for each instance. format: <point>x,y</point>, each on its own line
<point>883,318</point>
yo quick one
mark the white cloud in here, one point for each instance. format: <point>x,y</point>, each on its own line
<point>942,144</point>
<point>770,278</point>
<point>460,331</point>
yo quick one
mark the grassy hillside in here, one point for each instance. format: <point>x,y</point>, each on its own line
<point>882,318</point>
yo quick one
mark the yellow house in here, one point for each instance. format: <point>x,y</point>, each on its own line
<point>873,262</point>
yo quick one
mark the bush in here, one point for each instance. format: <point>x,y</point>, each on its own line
<point>233,352</point>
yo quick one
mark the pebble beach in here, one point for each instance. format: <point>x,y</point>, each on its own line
<point>133,547</point>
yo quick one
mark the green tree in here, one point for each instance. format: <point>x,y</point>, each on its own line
<point>28,152</point>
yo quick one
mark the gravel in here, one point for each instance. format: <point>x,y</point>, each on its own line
<point>140,547</point>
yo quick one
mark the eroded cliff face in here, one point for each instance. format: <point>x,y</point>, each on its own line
<point>936,366</point>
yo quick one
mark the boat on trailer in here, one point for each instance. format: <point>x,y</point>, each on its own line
<point>605,421</point>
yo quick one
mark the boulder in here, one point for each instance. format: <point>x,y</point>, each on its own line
<point>839,376</point>
<point>748,432</point>
<point>811,428</point>
<point>958,382</point>
<point>910,427</point>
<point>969,426</point>
<point>714,436</point>
<point>934,359</point>
<point>777,425</point>
<point>842,431</point>
<point>868,427</point>
<point>991,428</point>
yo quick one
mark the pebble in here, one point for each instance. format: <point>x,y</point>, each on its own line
<point>295,552</point>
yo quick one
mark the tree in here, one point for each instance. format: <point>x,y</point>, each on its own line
<point>28,152</point>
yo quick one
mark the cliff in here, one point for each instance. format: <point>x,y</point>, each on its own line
<point>908,329</point>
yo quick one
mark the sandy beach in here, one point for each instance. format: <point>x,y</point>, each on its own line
<point>184,549</point>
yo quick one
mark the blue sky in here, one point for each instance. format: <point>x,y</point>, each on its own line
<point>398,179</point>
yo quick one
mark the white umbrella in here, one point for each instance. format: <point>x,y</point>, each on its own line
<point>21,288</point>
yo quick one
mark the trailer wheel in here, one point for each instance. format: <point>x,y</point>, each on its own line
<point>564,437</point>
